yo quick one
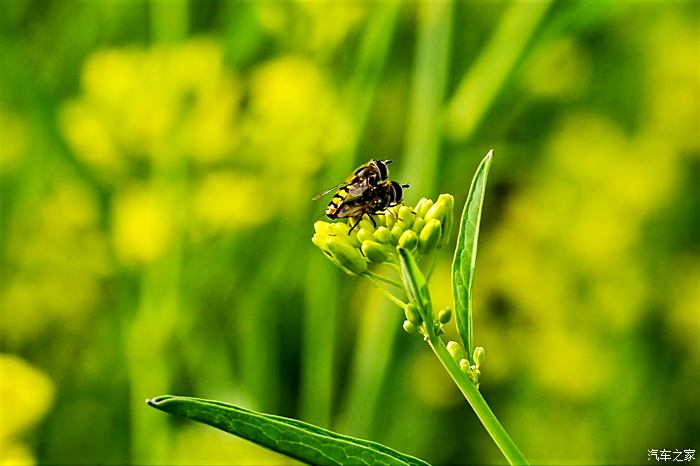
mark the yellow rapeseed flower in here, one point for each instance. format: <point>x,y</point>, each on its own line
<point>158,103</point>
<point>57,257</point>
<point>225,200</point>
<point>142,224</point>
<point>26,393</point>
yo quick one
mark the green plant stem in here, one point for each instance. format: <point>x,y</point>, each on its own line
<point>384,279</point>
<point>477,402</point>
<point>391,297</point>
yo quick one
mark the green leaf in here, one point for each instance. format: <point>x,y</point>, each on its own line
<point>465,255</point>
<point>296,439</point>
<point>416,286</point>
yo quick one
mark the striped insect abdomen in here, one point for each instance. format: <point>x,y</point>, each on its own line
<point>336,202</point>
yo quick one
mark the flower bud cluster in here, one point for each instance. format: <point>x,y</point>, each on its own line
<point>413,320</point>
<point>421,229</point>
<point>460,357</point>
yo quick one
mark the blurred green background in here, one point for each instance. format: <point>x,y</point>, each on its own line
<point>157,164</point>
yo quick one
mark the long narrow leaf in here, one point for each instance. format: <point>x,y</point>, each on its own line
<point>465,254</point>
<point>296,439</point>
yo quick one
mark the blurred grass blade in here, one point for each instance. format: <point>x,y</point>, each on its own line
<point>296,439</point>
<point>424,123</point>
<point>465,254</point>
<point>480,87</point>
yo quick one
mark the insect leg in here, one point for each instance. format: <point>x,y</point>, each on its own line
<point>357,222</point>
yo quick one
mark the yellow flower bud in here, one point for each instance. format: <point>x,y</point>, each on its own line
<point>367,225</point>
<point>437,211</point>
<point>321,228</point>
<point>448,220</point>
<point>343,230</point>
<point>464,366</point>
<point>455,350</point>
<point>383,235</point>
<point>479,356</point>
<point>348,257</point>
<point>364,235</point>
<point>445,315</point>
<point>375,252</point>
<point>409,327</point>
<point>418,224</point>
<point>423,206</point>
<point>389,218</point>
<point>413,315</point>
<point>408,239</point>
<point>406,217</point>
<point>430,236</point>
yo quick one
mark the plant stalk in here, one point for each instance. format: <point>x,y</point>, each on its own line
<point>477,402</point>
<point>389,296</point>
<point>384,279</point>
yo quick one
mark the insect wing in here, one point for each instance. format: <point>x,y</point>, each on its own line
<point>351,209</point>
<point>356,190</point>
<point>321,194</point>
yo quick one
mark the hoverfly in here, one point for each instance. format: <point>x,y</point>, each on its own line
<point>372,173</point>
<point>373,200</point>
<point>367,191</point>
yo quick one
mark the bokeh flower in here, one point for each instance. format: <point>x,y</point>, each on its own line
<point>26,393</point>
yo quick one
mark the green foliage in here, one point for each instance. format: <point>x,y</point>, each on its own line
<point>296,439</point>
<point>464,261</point>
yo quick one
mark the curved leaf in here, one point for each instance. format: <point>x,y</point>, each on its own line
<point>465,255</point>
<point>296,439</point>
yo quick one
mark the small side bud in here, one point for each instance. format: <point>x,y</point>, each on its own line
<point>430,236</point>
<point>423,206</point>
<point>413,315</point>
<point>375,252</point>
<point>383,235</point>
<point>455,350</point>
<point>409,239</point>
<point>409,327</point>
<point>479,356</point>
<point>464,366</point>
<point>348,257</point>
<point>445,315</point>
